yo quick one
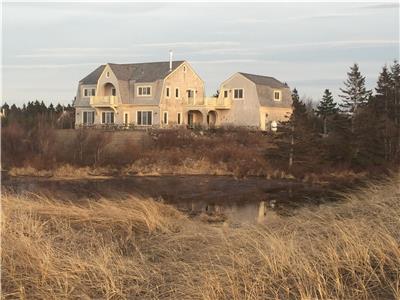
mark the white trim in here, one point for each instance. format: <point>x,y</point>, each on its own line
<point>280,95</point>
<point>234,98</point>
<point>179,121</point>
<point>86,111</point>
<point>163,117</point>
<point>165,91</point>
<point>105,113</point>
<point>144,86</point>
<point>89,89</point>
<point>179,93</point>
<point>126,113</point>
<point>152,117</point>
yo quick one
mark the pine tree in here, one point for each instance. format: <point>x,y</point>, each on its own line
<point>355,93</point>
<point>326,108</point>
<point>395,109</point>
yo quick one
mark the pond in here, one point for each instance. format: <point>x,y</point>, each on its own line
<point>221,197</point>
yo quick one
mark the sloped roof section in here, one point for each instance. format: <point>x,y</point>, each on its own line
<point>144,72</point>
<point>264,80</point>
<point>93,77</point>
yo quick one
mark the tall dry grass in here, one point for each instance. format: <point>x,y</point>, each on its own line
<point>144,249</point>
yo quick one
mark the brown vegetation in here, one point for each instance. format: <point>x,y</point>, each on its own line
<point>144,249</point>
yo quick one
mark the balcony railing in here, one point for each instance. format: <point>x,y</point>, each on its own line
<point>210,102</point>
<point>104,100</point>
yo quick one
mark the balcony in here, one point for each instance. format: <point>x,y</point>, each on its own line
<point>209,103</point>
<point>104,101</point>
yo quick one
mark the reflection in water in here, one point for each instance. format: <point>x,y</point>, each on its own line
<point>253,212</point>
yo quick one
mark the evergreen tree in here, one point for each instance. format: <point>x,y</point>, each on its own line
<point>326,108</point>
<point>355,93</point>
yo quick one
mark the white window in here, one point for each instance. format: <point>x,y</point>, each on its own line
<point>144,118</point>
<point>165,117</point>
<point>144,91</point>
<point>167,92</point>
<point>225,94</point>
<point>277,95</point>
<point>238,94</point>
<point>88,117</point>
<point>190,93</point>
<point>107,117</point>
<point>126,118</point>
<point>89,92</point>
<point>179,117</point>
<point>176,93</point>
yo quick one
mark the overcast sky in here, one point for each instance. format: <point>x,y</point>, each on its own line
<point>49,47</point>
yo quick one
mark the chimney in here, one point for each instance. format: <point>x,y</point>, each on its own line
<point>170,60</point>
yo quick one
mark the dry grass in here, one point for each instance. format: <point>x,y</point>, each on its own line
<point>144,249</point>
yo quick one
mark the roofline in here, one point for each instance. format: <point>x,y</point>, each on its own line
<point>230,77</point>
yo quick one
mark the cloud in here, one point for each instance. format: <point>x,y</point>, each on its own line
<point>188,44</point>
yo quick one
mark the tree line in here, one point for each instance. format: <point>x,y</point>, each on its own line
<point>34,112</point>
<point>363,131</point>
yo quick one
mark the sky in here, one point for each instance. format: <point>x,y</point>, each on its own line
<point>48,47</point>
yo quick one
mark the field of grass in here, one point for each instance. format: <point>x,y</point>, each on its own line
<point>142,249</point>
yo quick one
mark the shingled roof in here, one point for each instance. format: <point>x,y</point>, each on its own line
<point>139,72</point>
<point>144,72</point>
<point>264,80</point>
<point>93,77</point>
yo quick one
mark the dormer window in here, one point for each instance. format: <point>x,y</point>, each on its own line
<point>144,91</point>
<point>277,95</point>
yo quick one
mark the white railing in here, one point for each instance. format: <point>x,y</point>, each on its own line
<point>210,102</point>
<point>103,100</point>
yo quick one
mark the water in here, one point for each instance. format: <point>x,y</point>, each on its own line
<point>214,198</point>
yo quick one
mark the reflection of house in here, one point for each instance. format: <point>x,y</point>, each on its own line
<point>166,94</point>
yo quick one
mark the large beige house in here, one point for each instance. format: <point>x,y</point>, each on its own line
<point>171,94</point>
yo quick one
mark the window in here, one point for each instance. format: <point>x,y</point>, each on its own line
<point>238,94</point>
<point>126,118</point>
<point>184,69</point>
<point>277,95</point>
<point>113,92</point>
<point>176,93</point>
<point>144,118</point>
<point>190,93</point>
<point>144,91</point>
<point>167,92</point>
<point>165,117</point>
<point>89,92</point>
<point>225,94</point>
<point>107,117</point>
<point>179,118</point>
<point>108,74</point>
<point>88,117</point>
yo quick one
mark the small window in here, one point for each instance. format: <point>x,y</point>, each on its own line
<point>167,92</point>
<point>277,95</point>
<point>179,118</point>
<point>144,118</point>
<point>190,93</point>
<point>113,92</point>
<point>144,91</point>
<point>107,117</point>
<point>108,74</point>
<point>225,94</point>
<point>88,117</point>
<point>165,117</point>
<point>93,92</point>
<point>85,92</point>
<point>126,118</point>
<point>176,93</point>
<point>184,69</point>
<point>238,94</point>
